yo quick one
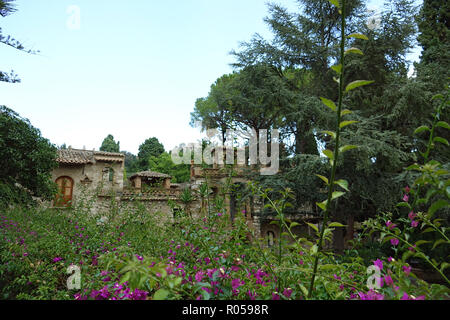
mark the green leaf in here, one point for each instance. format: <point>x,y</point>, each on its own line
<point>327,267</point>
<point>322,205</point>
<point>345,112</point>
<point>337,194</point>
<point>358,36</point>
<point>353,50</point>
<point>429,229</point>
<point>444,266</point>
<point>343,184</point>
<point>161,294</point>
<point>329,154</point>
<point>304,290</point>
<point>438,96</point>
<point>420,242</point>
<point>330,104</point>
<point>404,204</point>
<point>325,179</point>
<point>313,249</point>
<point>441,241</point>
<point>406,255</point>
<point>337,68</point>
<point>334,2</point>
<point>330,133</point>
<point>313,226</point>
<point>336,224</point>
<point>441,140</point>
<point>422,129</point>
<point>443,124</point>
<point>347,148</point>
<point>357,84</point>
<point>294,224</point>
<point>436,206</point>
<point>413,167</point>
<point>346,123</point>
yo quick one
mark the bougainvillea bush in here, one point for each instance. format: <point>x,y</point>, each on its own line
<point>133,256</point>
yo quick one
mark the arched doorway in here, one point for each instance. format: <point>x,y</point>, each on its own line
<point>65,192</point>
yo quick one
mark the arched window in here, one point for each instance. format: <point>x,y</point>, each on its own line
<point>65,192</point>
<point>270,238</point>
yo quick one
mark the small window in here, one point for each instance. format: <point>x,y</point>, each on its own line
<point>108,174</point>
<point>111,175</point>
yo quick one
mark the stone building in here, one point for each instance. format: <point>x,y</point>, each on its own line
<point>150,179</point>
<point>100,175</point>
<point>86,171</point>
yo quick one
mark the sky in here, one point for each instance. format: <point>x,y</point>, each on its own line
<point>133,69</point>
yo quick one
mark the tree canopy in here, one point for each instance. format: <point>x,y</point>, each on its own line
<point>279,82</point>
<point>26,160</point>
<point>110,145</point>
<point>150,148</point>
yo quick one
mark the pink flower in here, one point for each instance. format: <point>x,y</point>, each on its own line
<point>371,295</point>
<point>57,259</point>
<point>395,242</point>
<point>390,259</point>
<point>275,296</point>
<point>251,295</point>
<point>236,283</point>
<point>378,263</point>
<point>287,292</point>
<point>414,224</point>
<point>412,249</point>
<point>388,280</point>
<point>199,276</point>
<point>412,215</point>
<point>301,262</point>
<point>405,297</point>
<point>405,198</point>
<point>407,189</point>
<point>390,225</point>
<point>407,270</point>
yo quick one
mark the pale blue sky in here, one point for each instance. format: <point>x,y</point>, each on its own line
<point>134,68</point>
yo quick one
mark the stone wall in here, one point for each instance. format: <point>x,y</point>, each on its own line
<point>91,178</point>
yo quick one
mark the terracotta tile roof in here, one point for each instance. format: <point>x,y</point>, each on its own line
<point>109,156</point>
<point>150,174</point>
<point>76,156</point>
<point>73,156</point>
<point>112,154</point>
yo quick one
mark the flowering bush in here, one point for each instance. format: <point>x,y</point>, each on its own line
<point>204,259</point>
